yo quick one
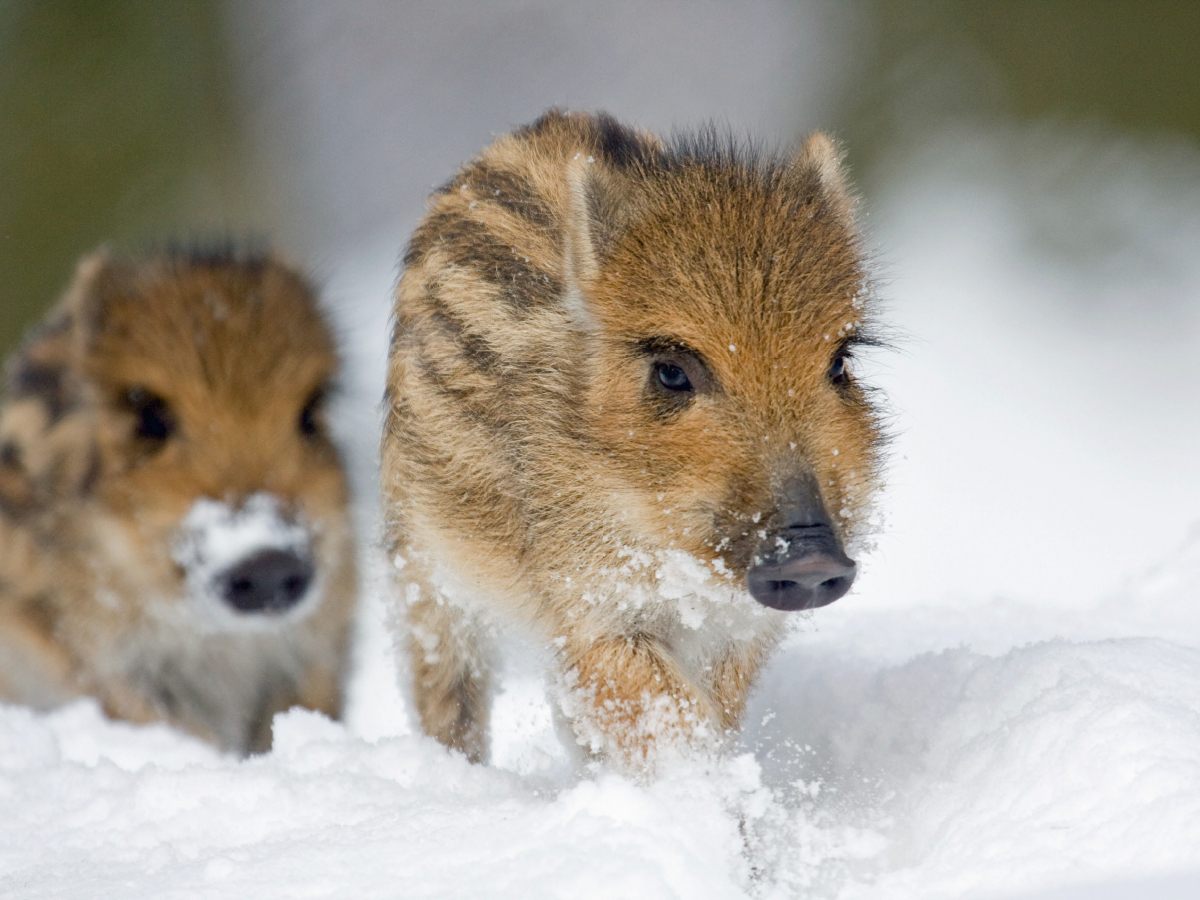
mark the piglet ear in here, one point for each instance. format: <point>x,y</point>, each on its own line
<point>46,447</point>
<point>607,194</point>
<point>603,202</point>
<point>819,160</point>
<point>100,281</point>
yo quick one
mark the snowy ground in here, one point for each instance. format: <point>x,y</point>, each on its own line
<point>1007,706</point>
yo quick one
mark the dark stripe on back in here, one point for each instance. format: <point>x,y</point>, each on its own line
<point>462,401</point>
<point>472,346</point>
<point>442,382</point>
<point>513,192</point>
<point>621,146</point>
<point>472,245</point>
<point>47,383</point>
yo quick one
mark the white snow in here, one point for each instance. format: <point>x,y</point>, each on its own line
<point>214,537</point>
<point>1008,705</point>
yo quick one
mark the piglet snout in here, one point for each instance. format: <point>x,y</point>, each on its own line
<point>269,581</point>
<point>811,571</point>
<point>251,560</point>
<point>801,565</point>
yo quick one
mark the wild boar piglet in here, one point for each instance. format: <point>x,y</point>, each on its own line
<point>623,415</point>
<point>175,537</point>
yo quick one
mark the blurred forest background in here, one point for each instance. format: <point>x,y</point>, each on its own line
<point>126,122</point>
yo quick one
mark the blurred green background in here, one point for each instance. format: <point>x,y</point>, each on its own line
<point>1126,64</point>
<point>117,124</point>
<point>120,122</point>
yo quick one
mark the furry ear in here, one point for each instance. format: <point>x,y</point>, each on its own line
<point>821,159</point>
<point>602,204</point>
<point>46,448</point>
<point>100,279</point>
<point>604,195</point>
<point>42,391</point>
<point>580,264</point>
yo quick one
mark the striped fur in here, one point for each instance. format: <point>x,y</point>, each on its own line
<point>534,476</point>
<point>92,598</point>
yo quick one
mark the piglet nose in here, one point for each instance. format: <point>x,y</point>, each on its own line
<point>270,581</point>
<point>814,573</point>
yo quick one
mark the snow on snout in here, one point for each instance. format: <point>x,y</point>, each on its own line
<point>214,538</point>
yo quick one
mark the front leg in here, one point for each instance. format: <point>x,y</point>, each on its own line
<point>627,698</point>
<point>35,669</point>
<point>321,689</point>
<point>162,696</point>
<point>450,675</point>
<point>732,675</point>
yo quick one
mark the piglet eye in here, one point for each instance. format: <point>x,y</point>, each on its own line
<point>310,416</point>
<point>672,377</point>
<point>154,422</point>
<point>838,371</point>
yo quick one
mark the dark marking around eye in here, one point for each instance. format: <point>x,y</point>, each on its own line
<point>310,415</point>
<point>677,375</point>
<point>154,422</point>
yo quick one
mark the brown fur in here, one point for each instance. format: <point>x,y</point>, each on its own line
<point>533,474</point>
<point>93,599</point>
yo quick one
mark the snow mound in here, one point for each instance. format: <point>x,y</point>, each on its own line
<point>328,814</point>
<point>1054,762</point>
<point>950,775</point>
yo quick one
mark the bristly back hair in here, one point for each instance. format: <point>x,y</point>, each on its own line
<point>212,252</point>
<point>711,143</point>
<point>717,144</point>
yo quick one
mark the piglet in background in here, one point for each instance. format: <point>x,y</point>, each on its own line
<point>174,530</point>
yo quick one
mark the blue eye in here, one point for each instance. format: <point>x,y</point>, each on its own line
<point>672,377</point>
<point>837,371</point>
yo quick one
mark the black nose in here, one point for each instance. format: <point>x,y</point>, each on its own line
<point>800,565</point>
<point>810,572</point>
<point>269,581</point>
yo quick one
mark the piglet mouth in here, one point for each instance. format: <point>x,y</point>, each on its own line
<point>807,570</point>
